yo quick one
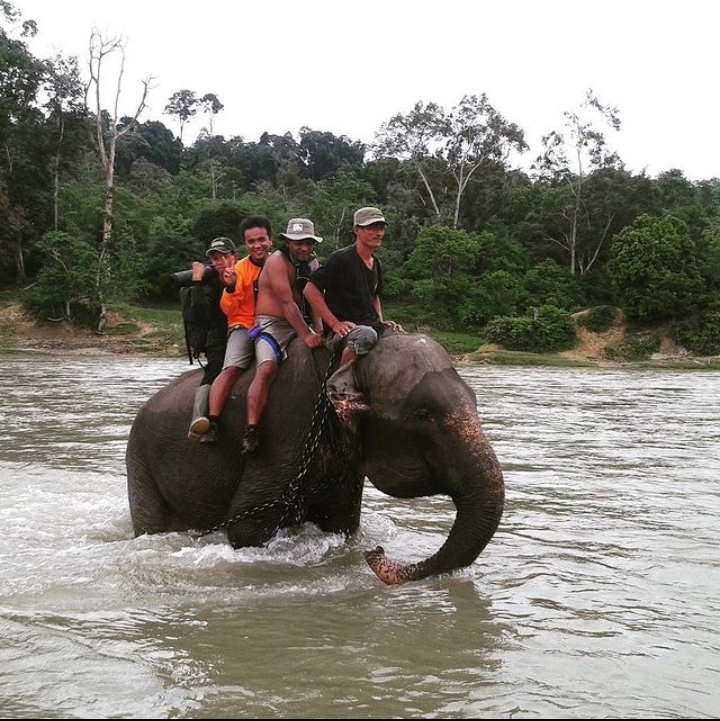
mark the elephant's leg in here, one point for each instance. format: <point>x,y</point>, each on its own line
<point>254,529</point>
<point>338,510</point>
<point>149,510</point>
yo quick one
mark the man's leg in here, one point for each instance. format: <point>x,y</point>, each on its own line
<point>257,399</point>
<point>238,355</point>
<point>342,389</point>
<point>215,355</point>
<point>200,421</point>
<point>219,391</point>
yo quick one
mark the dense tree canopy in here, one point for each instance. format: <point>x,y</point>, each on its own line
<point>472,235</point>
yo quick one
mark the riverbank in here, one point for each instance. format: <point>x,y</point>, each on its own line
<point>159,332</point>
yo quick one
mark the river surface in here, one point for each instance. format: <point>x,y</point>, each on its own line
<point>599,596</point>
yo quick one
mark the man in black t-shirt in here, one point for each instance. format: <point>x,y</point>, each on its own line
<point>346,292</point>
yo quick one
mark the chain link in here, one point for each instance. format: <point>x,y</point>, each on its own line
<point>292,499</point>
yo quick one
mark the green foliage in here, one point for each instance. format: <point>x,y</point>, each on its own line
<point>66,286</point>
<point>700,335</point>
<point>442,253</point>
<point>218,218</point>
<point>549,284</point>
<point>457,344</point>
<point>512,240</point>
<point>640,346</point>
<point>655,269</point>
<point>550,329</point>
<point>598,319</point>
<point>495,294</point>
<point>498,251</point>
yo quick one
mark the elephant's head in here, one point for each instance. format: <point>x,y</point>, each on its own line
<point>421,437</point>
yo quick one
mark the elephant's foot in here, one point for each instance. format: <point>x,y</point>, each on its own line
<point>388,571</point>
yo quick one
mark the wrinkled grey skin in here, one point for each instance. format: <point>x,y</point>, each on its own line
<point>421,437</point>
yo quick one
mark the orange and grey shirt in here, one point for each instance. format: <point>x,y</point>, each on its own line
<point>238,302</point>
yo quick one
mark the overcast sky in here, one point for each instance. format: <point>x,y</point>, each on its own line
<point>347,67</point>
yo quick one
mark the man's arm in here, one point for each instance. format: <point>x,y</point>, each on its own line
<point>276,268</point>
<point>391,324</point>
<point>314,296</point>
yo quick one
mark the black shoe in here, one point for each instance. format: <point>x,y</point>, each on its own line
<point>210,437</point>
<point>250,440</point>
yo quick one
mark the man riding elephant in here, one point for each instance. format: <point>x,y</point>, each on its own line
<point>420,436</point>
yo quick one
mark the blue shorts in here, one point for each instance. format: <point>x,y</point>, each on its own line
<point>273,340</point>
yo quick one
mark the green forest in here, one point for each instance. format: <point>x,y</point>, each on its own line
<point>486,235</point>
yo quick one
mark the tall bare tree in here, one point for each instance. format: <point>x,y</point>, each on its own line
<point>67,113</point>
<point>101,49</point>
<point>184,105</point>
<point>448,148</point>
<point>569,156</point>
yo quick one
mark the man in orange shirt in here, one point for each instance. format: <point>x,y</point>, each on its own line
<point>238,304</point>
<point>279,318</point>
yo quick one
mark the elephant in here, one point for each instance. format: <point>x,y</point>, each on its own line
<point>421,436</point>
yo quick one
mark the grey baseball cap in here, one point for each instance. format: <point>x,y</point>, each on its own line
<point>368,216</point>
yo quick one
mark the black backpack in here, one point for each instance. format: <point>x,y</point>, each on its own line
<point>196,330</point>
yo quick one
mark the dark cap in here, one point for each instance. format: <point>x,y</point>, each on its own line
<point>221,245</point>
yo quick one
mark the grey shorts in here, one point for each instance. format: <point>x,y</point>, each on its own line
<point>275,335</point>
<point>359,340</point>
<point>240,349</point>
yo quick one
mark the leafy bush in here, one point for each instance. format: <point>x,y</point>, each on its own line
<point>655,269</point>
<point>550,329</point>
<point>598,319</point>
<point>640,346</point>
<point>700,335</point>
<point>66,286</point>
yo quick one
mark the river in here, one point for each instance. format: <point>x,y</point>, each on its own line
<point>599,595</point>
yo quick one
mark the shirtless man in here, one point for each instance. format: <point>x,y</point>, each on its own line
<point>278,319</point>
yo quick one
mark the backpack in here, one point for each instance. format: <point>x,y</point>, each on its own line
<point>196,331</point>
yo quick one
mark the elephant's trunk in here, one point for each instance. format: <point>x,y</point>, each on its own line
<point>478,516</point>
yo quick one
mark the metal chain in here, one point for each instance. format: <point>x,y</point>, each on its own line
<point>292,498</point>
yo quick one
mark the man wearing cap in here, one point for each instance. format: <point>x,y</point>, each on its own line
<point>205,292</point>
<point>346,292</point>
<point>278,318</point>
<point>238,304</point>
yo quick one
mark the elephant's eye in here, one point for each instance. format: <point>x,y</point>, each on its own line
<point>423,415</point>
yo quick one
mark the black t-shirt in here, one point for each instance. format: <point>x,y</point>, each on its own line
<point>350,286</point>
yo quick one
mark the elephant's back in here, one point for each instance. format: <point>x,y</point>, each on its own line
<point>169,398</point>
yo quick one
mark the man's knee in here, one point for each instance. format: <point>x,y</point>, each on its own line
<point>361,339</point>
<point>266,371</point>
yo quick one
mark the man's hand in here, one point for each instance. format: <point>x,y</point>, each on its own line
<point>393,326</point>
<point>343,328</point>
<point>198,271</point>
<point>313,340</point>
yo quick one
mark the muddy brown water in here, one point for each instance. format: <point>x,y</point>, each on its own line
<point>598,596</point>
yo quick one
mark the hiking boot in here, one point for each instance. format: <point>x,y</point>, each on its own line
<point>210,437</point>
<point>250,440</point>
<point>200,422</point>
